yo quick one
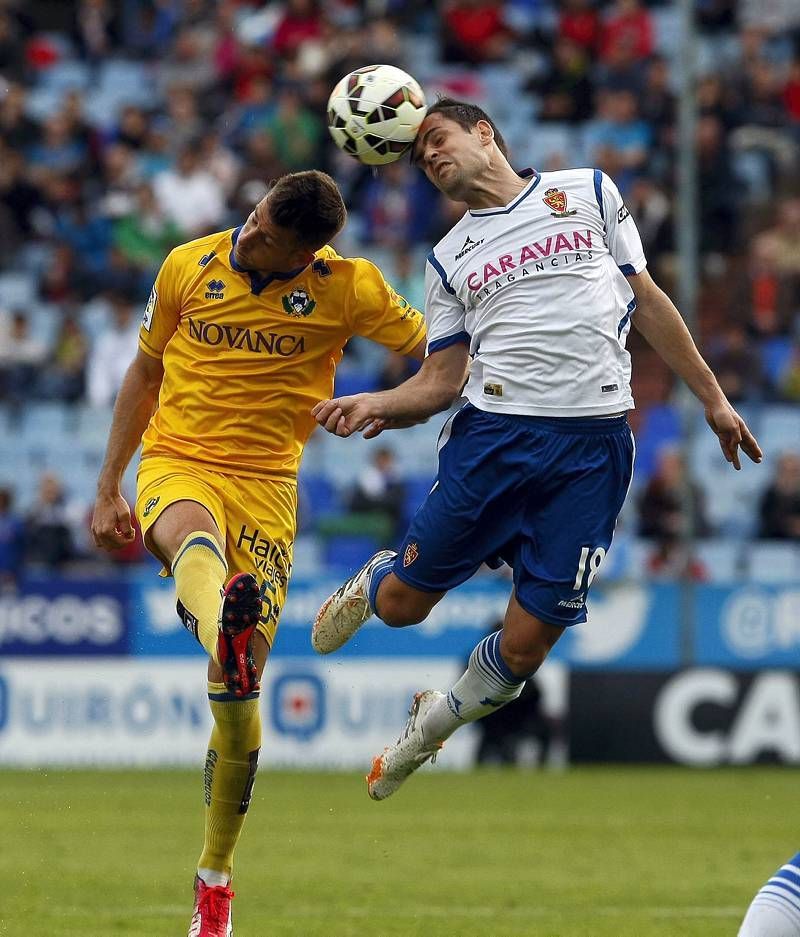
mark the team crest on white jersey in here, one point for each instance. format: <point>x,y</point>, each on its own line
<point>557,200</point>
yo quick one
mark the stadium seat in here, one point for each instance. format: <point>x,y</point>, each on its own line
<point>354,382</point>
<point>660,427</point>
<point>773,561</point>
<point>626,559</point>
<point>347,552</point>
<point>722,558</point>
<point>318,495</point>
<point>17,291</point>
<point>549,142</point>
<point>66,76</point>
<point>93,424</point>
<point>417,488</point>
<point>775,356</point>
<point>42,102</point>
<point>416,447</point>
<point>732,499</point>
<point>337,458</point>
<point>44,423</point>
<point>127,81</point>
<point>667,30</point>
<point>779,430</point>
<point>307,556</point>
<point>421,56</point>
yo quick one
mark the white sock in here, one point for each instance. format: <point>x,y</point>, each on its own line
<point>211,877</point>
<point>775,910</point>
<point>486,685</point>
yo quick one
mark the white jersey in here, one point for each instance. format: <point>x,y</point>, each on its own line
<point>539,291</point>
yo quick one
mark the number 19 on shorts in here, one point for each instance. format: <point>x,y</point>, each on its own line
<point>588,565</point>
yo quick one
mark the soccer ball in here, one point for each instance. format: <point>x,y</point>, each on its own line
<point>374,113</point>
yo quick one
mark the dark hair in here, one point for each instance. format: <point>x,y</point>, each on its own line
<point>309,204</point>
<point>467,115</point>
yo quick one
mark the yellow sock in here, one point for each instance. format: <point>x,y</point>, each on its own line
<point>199,569</point>
<point>230,773</point>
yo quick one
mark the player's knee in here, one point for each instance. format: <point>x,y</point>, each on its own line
<point>398,606</point>
<point>523,657</point>
<point>397,613</point>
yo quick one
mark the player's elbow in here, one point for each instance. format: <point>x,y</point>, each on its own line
<point>147,371</point>
<point>444,373</point>
<point>444,394</point>
<point>446,386</point>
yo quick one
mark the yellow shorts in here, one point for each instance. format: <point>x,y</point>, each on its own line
<point>257,519</point>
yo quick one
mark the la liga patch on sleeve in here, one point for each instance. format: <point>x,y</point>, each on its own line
<point>149,310</point>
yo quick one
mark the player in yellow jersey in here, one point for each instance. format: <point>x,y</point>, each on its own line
<point>240,338</point>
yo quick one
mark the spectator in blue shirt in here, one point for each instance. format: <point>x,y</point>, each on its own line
<point>12,541</point>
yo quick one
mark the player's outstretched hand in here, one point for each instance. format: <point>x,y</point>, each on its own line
<point>378,426</point>
<point>347,415</point>
<point>732,433</point>
<point>111,522</point>
<point>361,412</point>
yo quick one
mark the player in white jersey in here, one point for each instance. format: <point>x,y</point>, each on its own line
<point>538,285</point>
<point>539,291</point>
<point>775,910</point>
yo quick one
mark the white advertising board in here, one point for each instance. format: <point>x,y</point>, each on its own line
<point>323,714</point>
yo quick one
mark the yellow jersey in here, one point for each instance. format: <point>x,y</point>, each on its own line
<point>246,357</point>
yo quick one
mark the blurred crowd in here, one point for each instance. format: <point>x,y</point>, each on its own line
<point>127,127</point>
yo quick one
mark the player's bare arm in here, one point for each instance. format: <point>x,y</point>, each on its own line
<point>418,351</point>
<point>432,389</point>
<point>664,329</point>
<point>111,522</point>
<point>378,426</point>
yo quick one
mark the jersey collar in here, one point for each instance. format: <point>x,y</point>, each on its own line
<point>257,282</point>
<point>505,210</point>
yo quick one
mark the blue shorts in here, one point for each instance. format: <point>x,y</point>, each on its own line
<point>540,494</point>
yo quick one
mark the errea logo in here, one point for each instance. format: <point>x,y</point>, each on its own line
<point>215,288</point>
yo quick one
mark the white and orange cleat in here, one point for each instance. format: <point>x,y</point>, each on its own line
<point>408,753</point>
<point>212,910</point>
<point>344,612</point>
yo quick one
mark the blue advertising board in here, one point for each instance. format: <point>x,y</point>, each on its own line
<point>52,617</point>
<point>747,626</point>
<point>631,625</point>
<point>156,629</point>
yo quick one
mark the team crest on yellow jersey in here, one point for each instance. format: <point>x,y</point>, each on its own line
<point>298,303</point>
<point>557,200</point>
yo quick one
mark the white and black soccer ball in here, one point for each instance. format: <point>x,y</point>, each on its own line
<point>374,113</point>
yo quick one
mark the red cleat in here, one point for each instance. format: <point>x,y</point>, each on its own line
<point>212,910</point>
<point>241,613</point>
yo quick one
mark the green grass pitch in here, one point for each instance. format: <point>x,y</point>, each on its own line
<point>604,852</point>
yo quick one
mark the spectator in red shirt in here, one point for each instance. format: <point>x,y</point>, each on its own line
<point>627,25</point>
<point>474,31</point>
<point>301,21</point>
<point>580,23</point>
<point>791,91</point>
